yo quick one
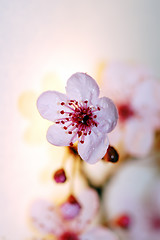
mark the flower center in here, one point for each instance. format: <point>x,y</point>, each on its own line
<point>123,221</point>
<point>125,112</point>
<point>79,120</point>
<point>156,223</point>
<point>68,236</point>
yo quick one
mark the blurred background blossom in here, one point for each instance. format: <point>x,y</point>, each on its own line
<point>136,93</point>
<point>131,200</point>
<point>42,43</point>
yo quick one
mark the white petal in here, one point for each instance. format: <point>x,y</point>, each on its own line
<point>81,86</point>
<point>48,104</point>
<point>94,147</point>
<point>45,218</point>
<point>88,210</point>
<point>108,115</point>
<point>99,233</point>
<point>57,136</point>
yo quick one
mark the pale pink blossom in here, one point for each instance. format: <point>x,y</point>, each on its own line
<point>79,116</point>
<point>136,93</point>
<point>48,219</point>
<point>134,193</point>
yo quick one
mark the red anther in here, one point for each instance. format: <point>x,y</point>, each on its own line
<point>62,122</point>
<point>62,103</point>
<point>65,128</point>
<point>82,141</point>
<point>96,124</point>
<point>123,221</point>
<point>62,112</point>
<point>70,114</point>
<point>98,108</point>
<point>111,155</point>
<point>69,132</point>
<point>79,133</point>
<point>86,101</point>
<point>60,176</point>
<point>95,116</point>
<point>57,122</point>
<point>71,144</point>
<point>89,133</point>
<point>85,134</point>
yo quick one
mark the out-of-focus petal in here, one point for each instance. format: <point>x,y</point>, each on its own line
<point>119,80</point>
<point>80,86</point>
<point>128,187</point>
<point>48,104</point>
<point>146,99</point>
<point>138,138</point>
<point>99,233</point>
<point>57,136</point>
<point>108,115</point>
<point>94,147</point>
<point>116,136</point>
<point>89,202</point>
<point>45,218</point>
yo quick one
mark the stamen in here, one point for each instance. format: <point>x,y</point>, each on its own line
<point>80,119</point>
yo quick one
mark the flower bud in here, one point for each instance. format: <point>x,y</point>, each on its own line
<point>60,176</point>
<point>111,155</point>
<point>71,208</point>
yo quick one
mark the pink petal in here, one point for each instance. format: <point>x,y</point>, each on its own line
<point>99,233</point>
<point>120,79</point>
<point>45,218</point>
<point>146,99</point>
<point>48,104</point>
<point>94,147</point>
<point>88,210</point>
<point>138,138</point>
<point>81,86</point>
<point>57,136</point>
<point>108,115</point>
<point>70,208</point>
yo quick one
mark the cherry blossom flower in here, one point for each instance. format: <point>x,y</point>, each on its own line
<point>136,93</point>
<point>132,201</point>
<point>79,115</point>
<point>48,219</point>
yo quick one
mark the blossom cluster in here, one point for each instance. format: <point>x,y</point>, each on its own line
<point>121,199</point>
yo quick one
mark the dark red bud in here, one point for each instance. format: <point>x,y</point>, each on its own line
<point>60,176</point>
<point>70,208</point>
<point>111,155</point>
